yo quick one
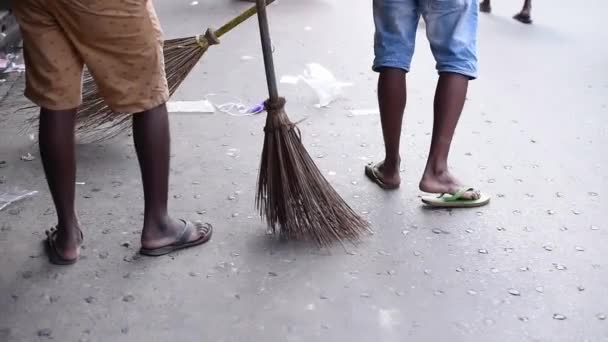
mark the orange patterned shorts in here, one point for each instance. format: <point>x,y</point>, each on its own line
<point>120,42</point>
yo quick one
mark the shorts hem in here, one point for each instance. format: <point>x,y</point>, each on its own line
<point>471,75</point>
<point>390,64</point>
<point>143,106</point>
<point>50,105</point>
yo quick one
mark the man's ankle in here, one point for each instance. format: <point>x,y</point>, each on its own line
<point>67,223</point>
<point>157,219</point>
<point>436,168</point>
<point>391,164</point>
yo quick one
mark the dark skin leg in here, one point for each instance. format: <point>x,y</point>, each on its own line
<point>449,100</point>
<point>485,6</point>
<point>152,139</point>
<point>152,143</point>
<point>527,7</point>
<point>391,99</point>
<point>56,140</point>
<point>525,15</point>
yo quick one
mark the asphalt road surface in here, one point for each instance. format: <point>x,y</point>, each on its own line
<point>529,267</point>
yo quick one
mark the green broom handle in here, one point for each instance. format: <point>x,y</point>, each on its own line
<point>238,20</point>
<point>271,79</point>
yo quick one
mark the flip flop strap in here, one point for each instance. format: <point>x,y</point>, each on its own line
<point>54,232</point>
<point>184,236</point>
<point>458,195</point>
<point>51,241</point>
<point>374,168</point>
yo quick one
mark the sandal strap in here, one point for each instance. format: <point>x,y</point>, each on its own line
<point>184,236</point>
<point>457,195</point>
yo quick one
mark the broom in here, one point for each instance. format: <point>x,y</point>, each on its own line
<point>97,122</point>
<point>293,197</point>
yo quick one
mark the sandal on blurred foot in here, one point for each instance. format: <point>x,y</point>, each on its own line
<point>523,18</point>
<point>52,251</point>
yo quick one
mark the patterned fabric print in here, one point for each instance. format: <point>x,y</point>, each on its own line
<point>120,42</point>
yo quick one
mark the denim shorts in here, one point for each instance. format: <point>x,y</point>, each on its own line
<point>451,28</point>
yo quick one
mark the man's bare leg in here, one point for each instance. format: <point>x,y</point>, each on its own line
<point>485,6</point>
<point>152,142</point>
<point>449,101</point>
<point>391,99</point>
<point>57,150</point>
<point>525,15</point>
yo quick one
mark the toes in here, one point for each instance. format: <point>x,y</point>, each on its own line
<point>472,195</point>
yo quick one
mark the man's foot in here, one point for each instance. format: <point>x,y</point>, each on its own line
<point>444,183</point>
<point>387,178</point>
<point>452,193</point>
<point>62,248</point>
<point>175,235</point>
<point>485,7</point>
<point>523,17</point>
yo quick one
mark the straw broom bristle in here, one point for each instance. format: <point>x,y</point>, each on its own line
<point>95,121</point>
<point>292,194</point>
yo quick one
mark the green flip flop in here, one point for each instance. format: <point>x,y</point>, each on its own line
<point>456,200</point>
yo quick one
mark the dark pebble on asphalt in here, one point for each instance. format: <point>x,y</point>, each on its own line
<point>46,332</point>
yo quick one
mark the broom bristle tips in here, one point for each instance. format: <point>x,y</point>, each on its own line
<point>294,197</point>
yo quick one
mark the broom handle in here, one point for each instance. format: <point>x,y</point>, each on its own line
<point>271,78</point>
<point>227,27</point>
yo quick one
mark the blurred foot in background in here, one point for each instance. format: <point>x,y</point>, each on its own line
<point>524,16</point>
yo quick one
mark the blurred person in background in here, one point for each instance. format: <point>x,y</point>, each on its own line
<point>524,16</point>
